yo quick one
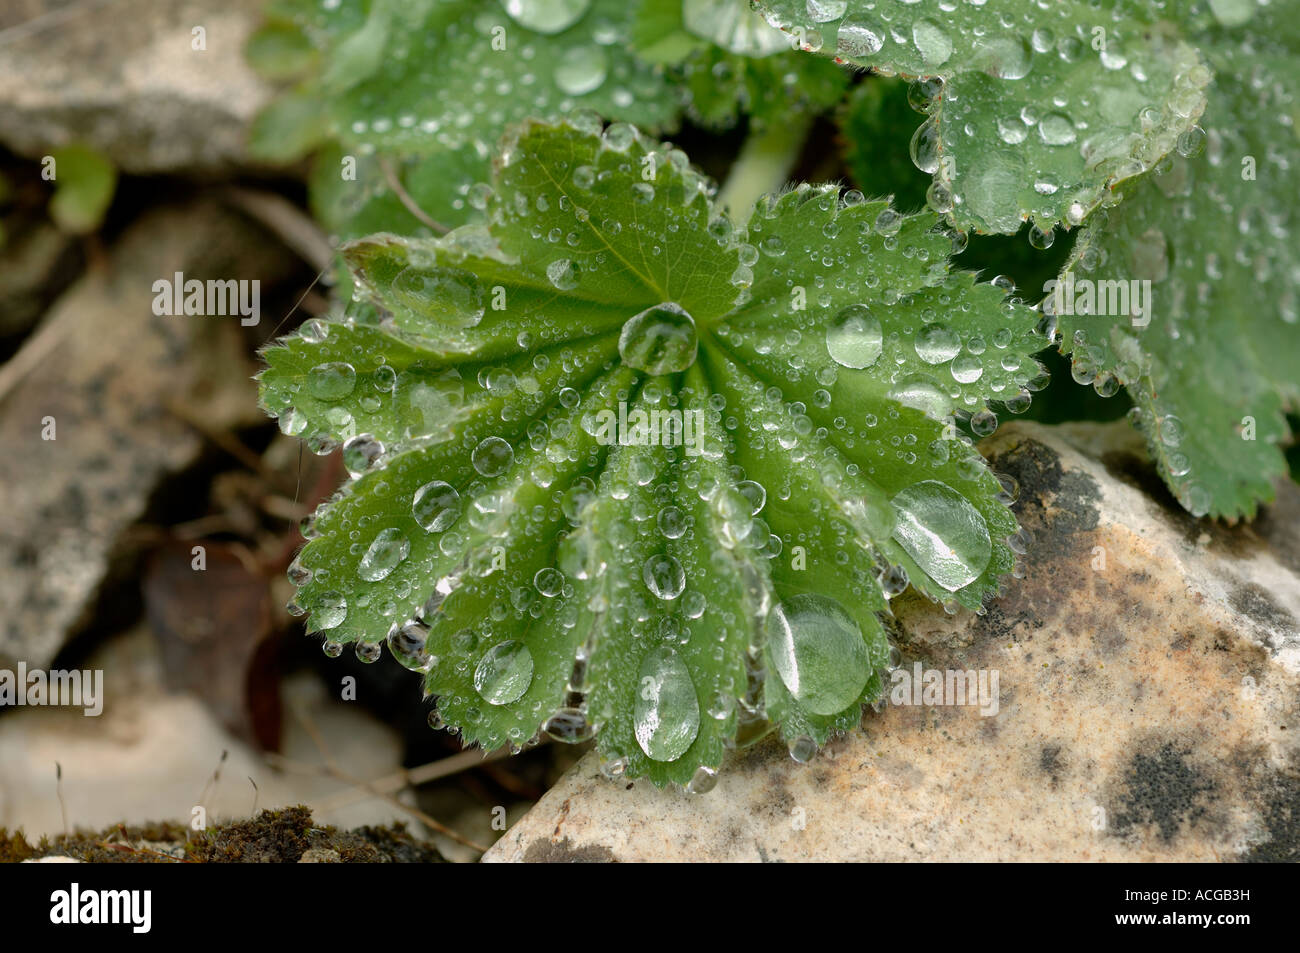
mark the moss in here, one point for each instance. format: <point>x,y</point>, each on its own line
<point>280,836</point>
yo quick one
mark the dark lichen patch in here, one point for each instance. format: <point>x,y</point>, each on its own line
<point>1255,604</point>
<point>1280,797</point>
<point>1057,504</point>
<point>546,851</point>
<point>280,836</point>
<point>1051,764</point>
<point>1163,791</point>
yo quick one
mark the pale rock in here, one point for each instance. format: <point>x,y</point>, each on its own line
<point>1148,705</point>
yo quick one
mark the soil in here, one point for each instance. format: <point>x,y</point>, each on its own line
<point>280,836</point>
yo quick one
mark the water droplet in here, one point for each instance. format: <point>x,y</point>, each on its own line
<point>859,37</point>
<point>360,453</point>
<point>563,273</point>
<point>1040,238</point>
<point>667,711</point>
<point>672,522</point>
<point>924,147</point>
<point>1191,143</point>
<point>1233,12</point>
<point>385,553</point>
<point>446,295</point>
<point>504,673</point>
<point>328,610</point>
<point>436,506</point>
<point>854,339</point>
<point>332,381</point>
<point>664,576</point>
<point>407,645</point>
<point>932,42</point>
<point>943,533</point>
<point>823,11</point>
<point>967,368</point>
<point>1055,129</point>
<point>492,457</point>
<point>803,749</point>
<point>921,394</point>
<point>936,343</point>
<point>582,70</point>
<point>817,649</point>
<point>549,581</point>
<point>547,16</point>
<point>569,725</point>
<point>704,780</point>
<point>659,340</point>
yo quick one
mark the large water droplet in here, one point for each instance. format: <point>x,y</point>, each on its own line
<point>921,394</point>
<point>664,576</point>
<point>386,551</point>
<point>448,296</point>
<point>659,340</point>
<point>328,610</point>
<point>859,37</point>
<point>854,338</point>
<point>492,456</point>
<point>667,711</point>
<point>823,11</point>
<point>582,69</point>
<point>943,532</point>
<point>1055,129</point>
<point>436,506</point>
<point>1233,12</point>
<point>332,381</point>
<point>547,16</point>
<point>936,343</point>
<point>932,42</point>
<point>817,649</point>
<point>504,673</point>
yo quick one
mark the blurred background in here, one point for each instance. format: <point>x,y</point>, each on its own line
<point>133,443</point>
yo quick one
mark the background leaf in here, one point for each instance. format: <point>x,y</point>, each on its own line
<point>1037,110</point>
<point>1213,370</point>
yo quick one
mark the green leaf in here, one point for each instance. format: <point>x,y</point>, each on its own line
<point>1037,110</point>
<point>1211,362</point>
<point>418,78</point>
<point>84,183</point>
<point>531,526</point>
<point>727,62</point>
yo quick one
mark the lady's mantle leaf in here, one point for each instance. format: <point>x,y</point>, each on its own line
<point>623,467</point>
<point>1037,109</point>
<point>1186,293</point>
<point>414,78</point>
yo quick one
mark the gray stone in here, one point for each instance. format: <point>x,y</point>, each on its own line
<point>123,76</point>
<point>1148,705</point>
<point>110,373</point>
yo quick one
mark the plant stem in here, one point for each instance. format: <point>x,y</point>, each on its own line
<point>763,166</point>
